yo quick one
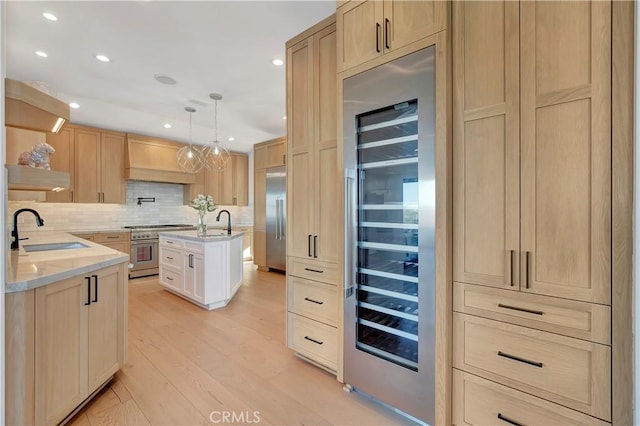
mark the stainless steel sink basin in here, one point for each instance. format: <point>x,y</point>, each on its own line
<point>53,246</point>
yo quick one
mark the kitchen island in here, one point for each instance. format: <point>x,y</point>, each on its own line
<point>66,324</point>
<point>206,271</point>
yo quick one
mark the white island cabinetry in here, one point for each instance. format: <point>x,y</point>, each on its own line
<point>204,270</point>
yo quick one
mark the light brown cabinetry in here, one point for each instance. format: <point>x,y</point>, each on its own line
<point>369,29</point>
<point>228,187</point>
<point>116,240</point>
<point>99,166</point>
<point>271,153</point>
<point>558,243</point>
<point>532,208</point>
<point>77,329</point>
<point>63,160</point>
<point>312,196</point>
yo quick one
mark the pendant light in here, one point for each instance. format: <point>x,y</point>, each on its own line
<point>216,154</point>
<point>190,159</point>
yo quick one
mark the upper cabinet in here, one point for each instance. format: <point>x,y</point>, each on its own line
<point>99,166</point>
<point>532,147</point>
<point>228,187</point>
<point>371,28</point>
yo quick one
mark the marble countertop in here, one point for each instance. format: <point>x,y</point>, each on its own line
<point>214,236</point>
<point>100,231</point>
<point>28,270</point>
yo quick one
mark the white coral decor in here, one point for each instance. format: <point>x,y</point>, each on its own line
<point>203,204</point>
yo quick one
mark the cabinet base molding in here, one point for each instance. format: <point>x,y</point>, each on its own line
<point>207,306</point>
<point>310,361</point>
<point>86,401</point>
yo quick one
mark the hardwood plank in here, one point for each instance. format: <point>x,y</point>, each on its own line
<point>186,363</point>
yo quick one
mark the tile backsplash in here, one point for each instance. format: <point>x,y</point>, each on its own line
<point>168,208</point>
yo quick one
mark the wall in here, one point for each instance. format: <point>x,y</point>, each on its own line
<point>3,198</point>
<point>168,208</point>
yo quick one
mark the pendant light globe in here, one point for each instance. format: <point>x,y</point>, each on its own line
<point>190,158</point>
<point>216,155</point>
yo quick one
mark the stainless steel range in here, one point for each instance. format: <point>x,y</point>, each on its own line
<point>144,247</point>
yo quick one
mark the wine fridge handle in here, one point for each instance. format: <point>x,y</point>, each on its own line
<point>349,234</point>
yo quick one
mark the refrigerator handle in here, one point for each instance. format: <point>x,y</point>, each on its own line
<point>277,219</point>
<point>349,224</point>
<point>283,226</point>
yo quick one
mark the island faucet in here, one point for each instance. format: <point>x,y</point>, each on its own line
<point>14,231</point>
<point>228,220</point>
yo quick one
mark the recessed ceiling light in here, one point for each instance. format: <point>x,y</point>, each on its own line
<point>167,126</point>
<point>102,58</point>
<point>164,79</point>
<point>231,139</point>
<point>41,54</point>
<point>74,105</point>
<point>277,62</point>
<point>284,118</point>
<point>50,16</point>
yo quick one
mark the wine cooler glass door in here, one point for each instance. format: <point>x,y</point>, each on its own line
<point>389,154</point>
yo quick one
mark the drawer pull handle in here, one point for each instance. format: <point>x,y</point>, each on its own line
<point>515,308</point>
<point>113,237</point>
<point>313,340</point>
<point>170,279</point>
<point>517,358</point>
<point>313,270</point>
<point>169,242</point>
<point>170,258</point>
<point>508,420</point>
<point>313,301</point>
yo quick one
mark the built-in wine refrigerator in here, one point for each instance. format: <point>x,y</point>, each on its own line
<point>390,202</point>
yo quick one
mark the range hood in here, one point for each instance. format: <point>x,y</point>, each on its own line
<point>154,160</point>
<point>29,108</point>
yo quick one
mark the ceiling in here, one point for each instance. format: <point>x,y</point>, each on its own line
<point>207,46</point>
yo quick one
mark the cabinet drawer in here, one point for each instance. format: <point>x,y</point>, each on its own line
<point>571,372</point>
<point>169,242</point>
<point>172,257</point>
<point>172,279</point>
<point>314,300</point>
<point>111,237</point>
<point>314,270</point>
<point>193,247</point>
<point>88,237</point>
<point>477,401</point>
<point>582,320</point>
<point>316,341</point>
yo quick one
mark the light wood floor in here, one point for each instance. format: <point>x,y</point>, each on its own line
<point>186,363</point>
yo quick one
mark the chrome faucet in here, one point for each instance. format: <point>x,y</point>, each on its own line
<point>228,220</point>
<point>14,232</point>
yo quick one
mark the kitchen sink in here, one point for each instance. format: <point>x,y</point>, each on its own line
<point>53,246</point>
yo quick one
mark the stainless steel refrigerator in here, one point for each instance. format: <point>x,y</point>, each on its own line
<point>276,218</point>
<point>389,307</point>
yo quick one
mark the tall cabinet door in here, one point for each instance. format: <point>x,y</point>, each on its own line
<point>103,326</point>
<point>63,161</point>
<point>112,170</point>
<point>486,143</point>
<point>87,188</point>
<point>566,149</point>
<point>60,355</point>
<point>300,146</point>
<point>327,207</point>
